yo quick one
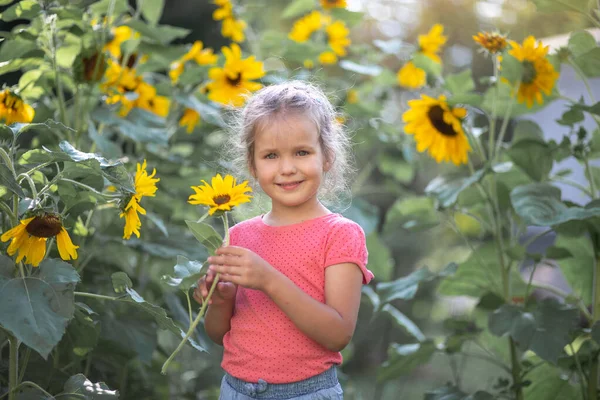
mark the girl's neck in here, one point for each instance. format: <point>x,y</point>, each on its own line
<point>279,216</point>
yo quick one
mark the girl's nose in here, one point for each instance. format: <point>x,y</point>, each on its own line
<point>287,166</point>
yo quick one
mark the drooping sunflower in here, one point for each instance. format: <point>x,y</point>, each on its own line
<point>411,77</point>
<point>198,54</point>
<point>29,238</point>
<point>329,4</point>
<point>437,128</point>
<point>145,185</point>
<point>222,194</point>
<point>229,84</point>
<point>539,75</point>
<point>431,43</point>
<point>189,119</point>
<point>492,42</point>
<point>13,109</point>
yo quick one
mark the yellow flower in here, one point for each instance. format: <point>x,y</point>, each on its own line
<point>225,10</point>
<point>229,84</point>
<point>337,35</point>
<point>308,64</point>
<point>328,4</point>
<point>223,194</point>
<point>352,96</point>
<point>538,73</point>
<point>492,42</point>
<point>306,26</point>
<point>120,35</point>
<point>411,77</point>
<point>190,119</point>
<point>13,109</point>
<point>145,185</point>
<point>437,128</point>
<point>431,43</point>
<point>327,57</point>
<point>29,238</point>
<point>234,29</point>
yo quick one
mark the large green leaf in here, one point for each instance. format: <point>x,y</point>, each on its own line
<point>411,213</point>
<point>160,33</point>
<point>540,204</point>
<point>480,274</point>
<point>79,386</point>
<point>549,383</point>
<point>533,156</point>
<point>447,188</point>
<point>580,42</point>
<point>404,358</point>
<point>25,9</point>
<point>381,262</point>
<point>37,309</point>
<point>561,5</point>
<point>140,125</point>
<point>544,330</point>
<point>405,288</point>
<point>8,180</point>
<point>460,83</point>
<point>151,10</point>
<point>297,7</point>
<point>187,273</point>
<point>578,265</point>
<point>403,322</point>
<point>589,63</point>
<point>82,333</point>
<point>206,234</point>
<point>17,49</point>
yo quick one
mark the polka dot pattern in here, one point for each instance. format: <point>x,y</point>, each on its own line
<point>263,343</point>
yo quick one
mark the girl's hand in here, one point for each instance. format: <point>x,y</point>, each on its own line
<point>223,293</point>
<point>242,267</point>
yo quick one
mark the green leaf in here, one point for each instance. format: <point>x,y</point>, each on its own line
<point>556,6</point>
<point>427,64</point>
<point>447,188</point>
<point>102,7</point>
<point>17,49</point>
<point>580,42</point>
<point>160,33</point>
<point>405,288</point>
<point>80,385</point>
<point>478,275</point>
<point>120,282</point>
<point>9,181</point>
<point>533,156</point>
<point>596,332</point>
<point>82,333</point>
<point>544,331</point>
<point>571,117</point>
<point>411,213</point>
<point>207,112</point>
<point>380,259</point>
<point>549,383</point>
<point>403,322</point>
<point>405,358</point>
<point>539,204</point>
<point>512,68</point>
<point>206,234</point>
<point>151,10</point>
<point>370,70</point>
<point>364,214</point>
<point>25,9</point>
<point>140,125</point>
<point>396,167</point>
<point>578,265</point>
<point>187,273</point>
<point>297,7</point>
<point>470,99</point>
<point>460,83</point>
<point>454,393</point>
<point>37,309</point>
<point>589,63</point>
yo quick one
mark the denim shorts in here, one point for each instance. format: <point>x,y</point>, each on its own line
<point>324,386</point>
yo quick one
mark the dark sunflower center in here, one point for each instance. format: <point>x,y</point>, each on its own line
<point>222,199</point>
<point>44,226</point>
<point>528,72</point>
<point>236,81</point>
<point>436,116</point>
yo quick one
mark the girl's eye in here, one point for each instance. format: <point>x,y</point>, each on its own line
<point>270,156</point>
<point>303,153</point>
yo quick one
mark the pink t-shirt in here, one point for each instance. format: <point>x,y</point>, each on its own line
<point>263,343</point>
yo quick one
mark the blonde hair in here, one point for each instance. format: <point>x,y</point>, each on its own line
<point>293,97</point>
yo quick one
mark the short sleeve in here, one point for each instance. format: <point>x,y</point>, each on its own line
<point>347,244</point>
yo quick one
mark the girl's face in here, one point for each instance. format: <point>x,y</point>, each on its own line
<point>289,162</point>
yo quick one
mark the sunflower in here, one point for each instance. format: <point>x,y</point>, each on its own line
<point>196,53</point>
<point>223,194</point>
<point>120,35</point>
<point>411,77</point>
<point>431,43</point>
<point>329,4</point>
<point>231,27</point>
<point>492,42</point>
<point>229,84</point>
<point>13,109</point>
<point>327,57</point>
<point>437,128</point>
<point>145,185</point>
<point>189,119</point>
<point>337,37</point>
<point>538,73</point>
<point>29,238</point>
<point>306,26</point>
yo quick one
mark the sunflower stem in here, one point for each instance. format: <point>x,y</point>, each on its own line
<point>96,296</point>
<point>590,174</point>
<point>8,161</point>
<point>91,189</point>
<point>492,127</point>
<point>504,126</point>
<point>59,86</point>
<point>13,368</point>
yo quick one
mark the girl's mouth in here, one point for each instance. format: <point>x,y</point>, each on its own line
<point>289,185</point>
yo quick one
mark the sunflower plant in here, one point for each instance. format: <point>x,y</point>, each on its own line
<point>500,195</point>
<point>220,196</point>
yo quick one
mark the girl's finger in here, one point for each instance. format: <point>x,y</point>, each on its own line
<point>225,269</point>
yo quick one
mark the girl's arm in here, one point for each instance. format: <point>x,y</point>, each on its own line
<point>330,324</point>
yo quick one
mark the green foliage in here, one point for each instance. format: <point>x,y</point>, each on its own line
<point>404,358</point>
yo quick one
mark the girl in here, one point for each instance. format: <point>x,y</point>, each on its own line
<point>291,279</point>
